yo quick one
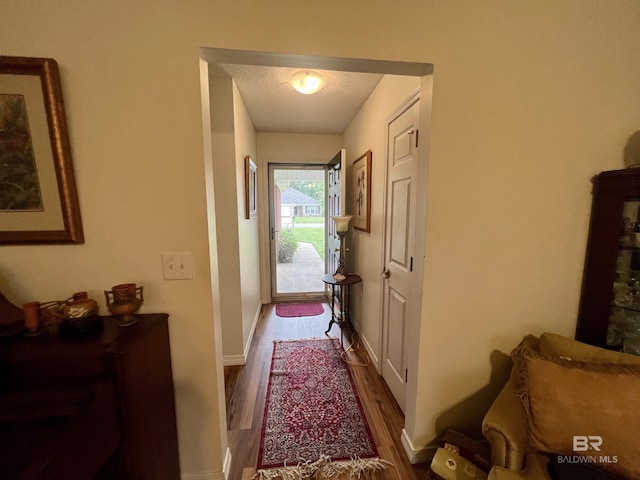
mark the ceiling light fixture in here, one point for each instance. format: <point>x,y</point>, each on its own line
<point>307,82</point>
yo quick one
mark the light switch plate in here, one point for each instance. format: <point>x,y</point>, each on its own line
<point>177,265</point>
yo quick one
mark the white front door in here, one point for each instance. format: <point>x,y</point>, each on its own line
<point>402,159</point>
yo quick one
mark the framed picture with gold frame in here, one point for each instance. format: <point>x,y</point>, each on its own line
<point>38,198</point>
<point>362,192</point>
<point>250,188</point>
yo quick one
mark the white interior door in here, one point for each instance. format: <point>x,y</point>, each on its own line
<point>335,195</point>
<point>402,138</point>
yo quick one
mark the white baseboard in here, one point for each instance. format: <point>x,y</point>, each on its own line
<point>226,468</point>
<point>230,360</point>
<point>420,455</point>
<point>247,345</point>
<point>370,352</point>
<point>204,476</point>
<point>233,360</point>
<point>212,475</point>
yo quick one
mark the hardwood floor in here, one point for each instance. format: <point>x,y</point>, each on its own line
<point>246,390</point>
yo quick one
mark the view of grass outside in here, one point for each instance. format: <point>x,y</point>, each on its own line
<point>303,220</point>
<point>301,195</point>
<point>314,236</point>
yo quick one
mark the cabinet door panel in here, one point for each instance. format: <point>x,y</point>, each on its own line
<point>610,305</point>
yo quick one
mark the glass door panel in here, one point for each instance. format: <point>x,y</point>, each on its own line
<point>623,331</point>
<point>298,231</point>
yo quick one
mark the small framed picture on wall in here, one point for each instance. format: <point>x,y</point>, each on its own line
<point>250,188</point>
<point>362,192</point>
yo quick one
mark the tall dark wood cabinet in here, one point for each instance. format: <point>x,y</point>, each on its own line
<point>140,360</point>
<point>100,404</point>
<point>609,314</point>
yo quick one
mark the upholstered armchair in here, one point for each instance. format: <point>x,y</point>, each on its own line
<point>559,389</point>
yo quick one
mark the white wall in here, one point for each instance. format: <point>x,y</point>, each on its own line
<point>531,99</point>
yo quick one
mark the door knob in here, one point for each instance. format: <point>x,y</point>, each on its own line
<point>386,273</point>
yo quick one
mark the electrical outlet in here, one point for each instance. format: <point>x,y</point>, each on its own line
<point>177,266</point>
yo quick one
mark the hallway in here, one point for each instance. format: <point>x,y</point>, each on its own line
<point>246,387</point>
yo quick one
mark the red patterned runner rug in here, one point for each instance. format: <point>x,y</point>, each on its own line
<point>314,425</point>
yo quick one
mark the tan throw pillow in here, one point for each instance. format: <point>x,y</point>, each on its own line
<point>584,412</point>
<point>553,344</point>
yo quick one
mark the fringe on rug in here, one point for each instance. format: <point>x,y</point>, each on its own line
<point>325,469</point>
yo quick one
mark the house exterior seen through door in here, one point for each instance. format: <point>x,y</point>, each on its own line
<point>298,231</point>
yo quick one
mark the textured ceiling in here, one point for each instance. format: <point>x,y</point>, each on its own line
<point>275,106</point>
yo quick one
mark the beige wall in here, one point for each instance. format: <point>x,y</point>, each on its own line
<point>210,452</point>
<point>367,132</point>
<point>531,99</point>
<point>297,148</point>
<point>528,105</point>
<point>225,191</point>
<point>249,252</point>
<point>233,138</point>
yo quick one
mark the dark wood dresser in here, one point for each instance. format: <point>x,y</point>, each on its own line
<point>101,406</point>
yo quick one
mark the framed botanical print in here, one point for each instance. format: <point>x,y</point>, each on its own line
<point>362,192</point>
<point>38,198</point>
<point>250,188</point>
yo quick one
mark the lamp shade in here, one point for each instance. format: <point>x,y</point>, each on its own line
<point>342,222</point>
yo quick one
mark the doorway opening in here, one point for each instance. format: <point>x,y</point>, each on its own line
<point>215,58</point>
<point>298,231</point>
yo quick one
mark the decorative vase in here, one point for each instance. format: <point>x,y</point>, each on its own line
<point>32,318</point>
<point>124,300</point>
<point>80,306</point>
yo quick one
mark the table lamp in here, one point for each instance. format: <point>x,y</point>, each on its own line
<point>342,226</point>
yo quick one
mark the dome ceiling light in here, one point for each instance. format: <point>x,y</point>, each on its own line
<point>307,82</point>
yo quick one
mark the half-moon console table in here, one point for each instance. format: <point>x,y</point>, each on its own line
<point>340,293</point>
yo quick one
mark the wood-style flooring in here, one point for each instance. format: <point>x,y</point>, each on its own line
<point>246,391</point>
